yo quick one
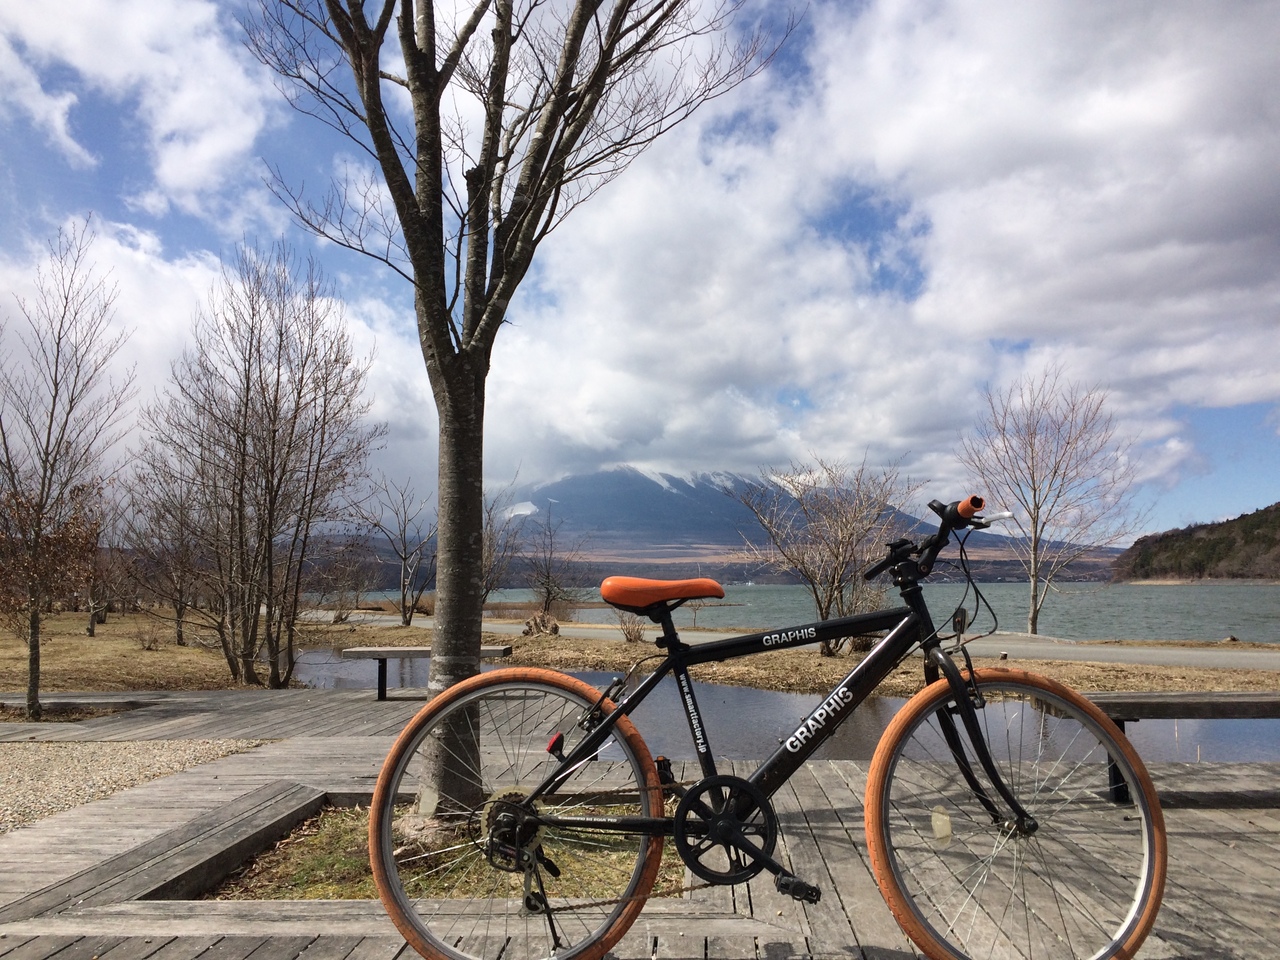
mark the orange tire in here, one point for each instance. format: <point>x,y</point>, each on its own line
<point>465,867</point>
<point>1087,882</point>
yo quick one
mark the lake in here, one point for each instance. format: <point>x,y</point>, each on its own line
<point>773,715</point>
<point>1246,610</point>
<point>1249,611</point>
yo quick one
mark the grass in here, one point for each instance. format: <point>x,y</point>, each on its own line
<point>116,658</point>
<point>327,858</point>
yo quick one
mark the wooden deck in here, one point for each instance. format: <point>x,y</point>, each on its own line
<point>80,885</point>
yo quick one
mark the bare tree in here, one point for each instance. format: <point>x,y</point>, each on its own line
<point>162,522</point>
<point>1048,451</point>
<point>345,574</point>
<point>825,522</point>
<point>396,512</point>
<point>486,123</point>
<point>108,578</point>
<point>503,538</point>
<point>553,568</point>
<point>60,410</point>
<point>265,420</point>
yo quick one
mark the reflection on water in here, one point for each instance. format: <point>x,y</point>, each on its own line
<point>744,723</point>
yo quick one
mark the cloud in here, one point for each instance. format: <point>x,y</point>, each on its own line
<point>177,66</point>
<point>20,87</point>
<point>951,194</point>
<point>933,196</point>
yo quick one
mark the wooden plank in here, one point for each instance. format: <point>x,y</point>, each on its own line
<point>90,948</point>
<point>136,948</point>
<point>40,948</point>
<point>380,948</point>
<point>185,861</point>
<point>9,944</point>
<point>487,650</point>
<point>233,948</point>
<point>836,788</point>
<point>1188,704</point>
<point>282,948</point>
<point>828,926</point>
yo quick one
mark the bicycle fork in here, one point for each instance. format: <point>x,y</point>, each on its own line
<point>968,697</point>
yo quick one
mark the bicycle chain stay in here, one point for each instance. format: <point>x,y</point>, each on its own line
<point>580,904</point>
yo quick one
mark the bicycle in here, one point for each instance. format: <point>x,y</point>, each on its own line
<point>521,815</point>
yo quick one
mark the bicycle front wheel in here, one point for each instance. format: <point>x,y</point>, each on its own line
<point>468,865</point>
<point>965,884</point>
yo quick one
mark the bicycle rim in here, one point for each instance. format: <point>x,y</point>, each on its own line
<point>1086,884</point>
<point>467,867</point>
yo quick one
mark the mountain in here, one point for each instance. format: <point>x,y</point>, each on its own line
<point>636,523</point>
<point>628,514</point>
<point>1246,547</point>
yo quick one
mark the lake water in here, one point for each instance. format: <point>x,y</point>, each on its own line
<point>1246,610</point>
<point>773,715</point>
<point>1076,611</point>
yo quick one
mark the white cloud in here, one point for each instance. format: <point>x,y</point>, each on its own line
<point>1082,182</point>
<point>178,64</point>
<point>49,112</point>
<point>836,259</point>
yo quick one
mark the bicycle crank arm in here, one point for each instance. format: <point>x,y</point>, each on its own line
<point>785,881</point>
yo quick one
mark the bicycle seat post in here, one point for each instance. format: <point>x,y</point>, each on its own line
<point>661,615</point>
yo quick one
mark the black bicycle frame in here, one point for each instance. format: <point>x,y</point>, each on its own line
<point>904,632</point>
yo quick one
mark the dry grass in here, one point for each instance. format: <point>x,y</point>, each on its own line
<point>804,671</point>
<point>327,858</point>
<point>115,658</point>
<point>118,659</point>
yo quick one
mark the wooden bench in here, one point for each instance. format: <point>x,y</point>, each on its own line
<point>383,654</point>
<point>1182,705</point>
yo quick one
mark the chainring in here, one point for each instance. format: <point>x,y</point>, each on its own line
<point>713,813</point>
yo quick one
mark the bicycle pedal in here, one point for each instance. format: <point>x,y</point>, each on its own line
<point>797,889</point>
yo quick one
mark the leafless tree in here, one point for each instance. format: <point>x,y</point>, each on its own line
<point>554,566</point>
<point>503,538</point>
<point>108,579</point>
<point>265,419</point>
<point>162,523</point>
<point>825,522</point>
<point>60,410</point>
<point>484,125</point>
<point>396,512</point>
<point>1048,450</point>
<point>345,574</point>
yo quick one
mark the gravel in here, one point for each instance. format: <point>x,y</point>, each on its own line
<point>38,780</point>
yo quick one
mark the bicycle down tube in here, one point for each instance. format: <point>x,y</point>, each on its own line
<point>904,633</point>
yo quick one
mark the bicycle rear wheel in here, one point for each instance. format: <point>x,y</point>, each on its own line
<point>1086,884</point>
<point>468,867</point>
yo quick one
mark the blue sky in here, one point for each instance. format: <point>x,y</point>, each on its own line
<point>926,198</point>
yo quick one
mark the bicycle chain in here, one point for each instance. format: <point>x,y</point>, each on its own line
<point>688,888</point>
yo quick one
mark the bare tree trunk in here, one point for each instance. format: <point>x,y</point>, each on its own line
<point>459,580</point>
<point>34,710</point>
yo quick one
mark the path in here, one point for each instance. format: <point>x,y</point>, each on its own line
<point>1222,899</point>
<point>1020,646</point>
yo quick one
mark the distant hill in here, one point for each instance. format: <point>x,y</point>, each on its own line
<point>1247,547</point>
<point>636,523</point>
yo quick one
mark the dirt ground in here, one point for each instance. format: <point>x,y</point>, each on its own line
<point>135,653</point>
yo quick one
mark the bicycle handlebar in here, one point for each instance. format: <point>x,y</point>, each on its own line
<point>955,516</point>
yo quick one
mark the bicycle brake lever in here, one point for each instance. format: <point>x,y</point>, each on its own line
<point>981,523</point>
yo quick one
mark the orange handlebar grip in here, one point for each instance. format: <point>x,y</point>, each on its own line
<point>969,506</point>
